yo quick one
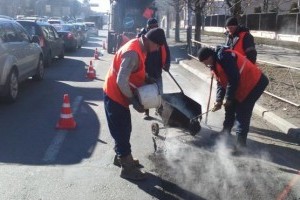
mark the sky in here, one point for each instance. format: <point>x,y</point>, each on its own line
<point>104,5</point>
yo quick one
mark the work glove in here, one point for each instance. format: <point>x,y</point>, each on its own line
<point>217,106</point>
<point>136,105</point>
<point>227,104</point>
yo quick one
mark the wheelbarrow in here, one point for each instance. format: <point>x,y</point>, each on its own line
<point>178,110</point>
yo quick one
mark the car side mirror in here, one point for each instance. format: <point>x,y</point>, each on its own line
<point>35,39</point>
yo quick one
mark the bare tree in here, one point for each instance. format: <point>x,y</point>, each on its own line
<point>198,8</point>
<point>235,7</point>
<point>178,6</point>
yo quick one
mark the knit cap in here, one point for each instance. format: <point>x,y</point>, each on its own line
<point>231,21</point>
<point>156,35</point>
<point>204,53</point>
<point>152,21</point>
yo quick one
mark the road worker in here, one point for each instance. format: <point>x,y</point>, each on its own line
<point>126,72</point>
<point>156,61</point>
<point>239,85</point>
<point>240,39</point>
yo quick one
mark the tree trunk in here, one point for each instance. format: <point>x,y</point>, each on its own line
<point>198,26</point>
<point>168,24</point>
<point>177,27</point>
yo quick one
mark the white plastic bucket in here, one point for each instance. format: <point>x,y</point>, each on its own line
<point>149,96</point>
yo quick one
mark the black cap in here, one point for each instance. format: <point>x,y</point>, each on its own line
<point>231,21</point>
<point>204,53</point>
<point>156,35</point>
<point>152,21</point>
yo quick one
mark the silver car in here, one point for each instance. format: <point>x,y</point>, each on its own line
<point>20,58</point>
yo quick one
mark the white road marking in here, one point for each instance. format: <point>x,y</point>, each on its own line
<point>53,150</point>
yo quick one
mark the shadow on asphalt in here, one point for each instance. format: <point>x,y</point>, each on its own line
<point>162,189</point>
<point>279,154</point>
<point>38,110</point>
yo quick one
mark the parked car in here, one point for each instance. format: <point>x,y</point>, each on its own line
<point>50,42</point>
<point>70,36</point>
<point>92,30</point>
<point>20,57</point>
<point>82,29</point>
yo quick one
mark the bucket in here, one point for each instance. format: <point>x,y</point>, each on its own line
<point>149,96</point>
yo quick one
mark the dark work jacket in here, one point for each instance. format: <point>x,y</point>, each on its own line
<point>229,65</point>
<point>153,61</point>
<point>248,42</point>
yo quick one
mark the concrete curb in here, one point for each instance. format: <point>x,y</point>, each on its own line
<point>285,126</point>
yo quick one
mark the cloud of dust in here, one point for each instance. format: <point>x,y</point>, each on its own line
<point>216,174</point>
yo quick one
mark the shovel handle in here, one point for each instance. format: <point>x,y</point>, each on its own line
<point>175,81</point>
<point>194,118</point>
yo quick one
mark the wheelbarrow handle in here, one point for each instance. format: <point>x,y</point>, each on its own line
<point>175,81</point>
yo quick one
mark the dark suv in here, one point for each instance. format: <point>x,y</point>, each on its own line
<point>50,42</point>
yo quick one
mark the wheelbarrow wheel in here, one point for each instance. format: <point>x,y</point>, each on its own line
<point>194,127</point>
<point>155,129</point>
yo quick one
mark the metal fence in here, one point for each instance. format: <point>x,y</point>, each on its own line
<point>279,23</point>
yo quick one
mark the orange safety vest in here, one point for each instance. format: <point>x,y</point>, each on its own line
<point>136,78</point>
<point>163,55</point>
<point>249,76</point>
<point>238,46</point>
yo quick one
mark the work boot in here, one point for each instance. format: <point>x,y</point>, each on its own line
<point>146,114</point>
<point>117,161</point>
<point>129,170</point>
<point>240,147</point>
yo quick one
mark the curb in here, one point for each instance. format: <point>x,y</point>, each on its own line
<point>285,126</point>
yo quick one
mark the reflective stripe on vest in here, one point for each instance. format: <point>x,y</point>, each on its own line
<point>136,78</point>
<point>249,76</point>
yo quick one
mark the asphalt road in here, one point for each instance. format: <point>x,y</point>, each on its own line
<point>38,161</point>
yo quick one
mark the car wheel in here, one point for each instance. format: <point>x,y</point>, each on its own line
<point>12,86</point>
<point>39,71</point>
<point>62,53</point>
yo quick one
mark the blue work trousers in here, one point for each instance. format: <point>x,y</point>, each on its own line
<point>241,112</point>
<point>119,124</point>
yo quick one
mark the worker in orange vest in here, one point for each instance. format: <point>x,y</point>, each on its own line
<point>156,61</point>
<point>240,39</point>
<point>126,72</point>
<point>240,83</point>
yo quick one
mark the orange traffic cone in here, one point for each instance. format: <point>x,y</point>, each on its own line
<point>96,54</point>
<point>91,72</point>
<point>66,120</point>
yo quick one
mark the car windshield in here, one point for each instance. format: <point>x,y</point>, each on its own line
<point>59,27</point>
<point>29,28</point>
<point>67,28</point>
